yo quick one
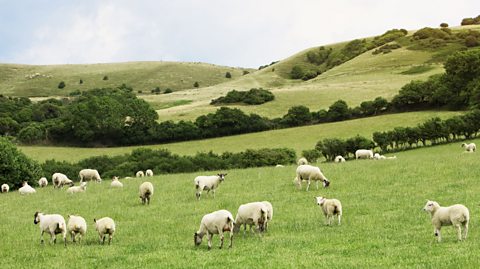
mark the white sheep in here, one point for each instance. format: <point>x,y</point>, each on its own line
<point>363,154</point>
<point>377,156</point>
<point>116,183</point>
<point>139,174</point>
<point>105,226</point>
<point>469,147</point>
<point>5,188</point>
<point>43,182</point>
<point>53,224</point>
<point>146,192</point>
<point>76,225</point>
<point>208,183</point>
<point>77,189</point>
<point>302,161</point>
<point>26,189</point>
<point>89,174</point>
<point>456,215</point>
<point>59,180</point>
<point>269,213</point>
<point>149,173</point>
<point>330,208</point>
<point>215,223</point>
<point>308,173</point>
<point>339,159</point>
<point>279,166</point>
<point>253,214</point>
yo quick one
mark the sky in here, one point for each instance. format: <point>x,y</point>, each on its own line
<point>240,33</point>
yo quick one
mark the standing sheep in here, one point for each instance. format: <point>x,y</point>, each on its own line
<point>330,208</point>
<point>146,192</point>
<point>208,183</point>
<point>456,215</point>
<point>215,223</point>
<point>77,189</point>
<point>5,188</point>
<point>89,174</point>
<point>53,224</point>
<point>139,174</point>
<point>308,173</point>
<point>363,154</point>
<point>269,213</point>
<point>43,182</point>
<point>26,189</point>
<point>469,147</point>
<point>76,226</point>
<point>105,226</point>
<point>149,173</point>
<point>339,159</point>
<point>116,183</point>
<point>59,180</point>
<point>253,214</point>
<point>302,161</point>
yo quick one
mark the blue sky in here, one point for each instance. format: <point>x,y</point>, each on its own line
<point>245,33</point>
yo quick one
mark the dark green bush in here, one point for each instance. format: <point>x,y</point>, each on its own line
<point>61,85</point>
<point>252,97</point>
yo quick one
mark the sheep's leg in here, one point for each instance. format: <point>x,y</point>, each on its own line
<point>110,237</point>
<point>213,192</point>
<point>308,184</point>
<point>197,194</point>
<point>339,219</point>
<point>465,230</point>
<point>53,238</point>
<point>459,231</point>
<point>72,235</point>
<point>64,238</point>
<point>102,238</point>
<point>231,239</point>
<point>316,183</point>
<point>209,237</point>
<point>41,237</point>
<point>244,229</point>
<point>438,234</point>
<point>220,233</point>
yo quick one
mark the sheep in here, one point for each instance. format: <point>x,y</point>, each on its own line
<point>269,213</point>
<point>330,208</point>
<point>216,222</point>
<point>89,174</point>
<point>116,183</point>
<point>53,224</point>
<point>59,180</point>
<point>139,174</point>
<point>339,159</point>
<point>43,182</point>
<point>302,161</point>
<point>5,188</point>
<point>469,147</point>
<point>146,192</point>
<point>456,215</point>
<point>26,189</point>
<point>76,226</point>
<point>149,173</point>
<point>279,166</point>
<point>105,226</point>
<point>377,156</point>
<point>253,214</point>
<point>363,154</point>
<point>208,183</point>
<point>77,189</point>
<point>308,172</point>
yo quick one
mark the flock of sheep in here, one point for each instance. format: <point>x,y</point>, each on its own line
<point>254,214</point>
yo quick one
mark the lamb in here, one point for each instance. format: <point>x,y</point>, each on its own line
<point>146,192</point>
<point>53,224</point>
<point>469,147</point>
<point>339,159</point>
<point>76,226</point>
<point>26,189</point>
<point>105,226</point>
<point>149,173</point>
<point>208,183</point>
<point>59,180</point>
<point>77,189</point>
<point>330,208</point>
<point>5,188</point>
<point>89,174</point>
<point>216,222</point>
<point>116,183</point>
<point>43,182</point>
<point>269,213</point>
<point>139,174</point>
<point>253,214</point>
<point>308,172</point>
<point>302,161</point>
<point>363,154</point>
<point>456,215</point>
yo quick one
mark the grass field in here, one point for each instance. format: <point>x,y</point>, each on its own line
<point>383,226</point>
<point>299,138</point>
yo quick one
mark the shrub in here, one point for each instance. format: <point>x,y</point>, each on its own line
<point>312,155</point>
<point>105,77</point>
<point>252,97</point>
<point>50,167</point>
<point>33,133</point>
<point>471,41</point>
<point>467,21</point>
<point>80,82</point>
<point>297,72</point>
<point>245,72</point>
<point>428,32</point>
<point>167,91</point>
<point>61,85</point>
<point>309,75</point>
<point>228,75</point>
<point>444,25</point>
<point>196,85</point>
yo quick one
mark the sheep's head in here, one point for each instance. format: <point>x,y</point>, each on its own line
<point>463,145</point>
<point>320,200</point>
<point>431,206</point>
<point>197,238</point>
<point>326,183</point>
<point>221,176</point>
<point>24,183</point>
<point>261,221</point>
<point>36,217</point>
<point>114,178</point>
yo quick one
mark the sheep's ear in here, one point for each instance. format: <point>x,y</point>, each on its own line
<point>94,221</point>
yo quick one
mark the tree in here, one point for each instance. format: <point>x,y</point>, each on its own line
<point>444,25</point>
<point>297,116</point>
<point>167,91</point>
<point>331,147</point>
<point>196,85</point>
<point>228,75</point>
<point>312,155</point>
<point>339,111</point>
<point>297,72</point>
<point>31,134</point>
<point>61,85</point>
<point>105,77</point>
<point>8,126</point>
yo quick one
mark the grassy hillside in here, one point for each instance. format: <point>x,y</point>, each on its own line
<point>299,139</point>
<point>383,226</point>
<point>142,76</point>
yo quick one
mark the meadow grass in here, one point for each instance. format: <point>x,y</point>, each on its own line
<point>383,225</point>
<point>300,138</point>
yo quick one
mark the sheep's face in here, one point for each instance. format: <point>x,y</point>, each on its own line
<point>36,217</point>
<point>115,179</point>
<point>221,176</point>
<point>430,206</point>
<point>197,239</point>
<point>24,183</point>
<point>326,183</point>
<point>320,200</point>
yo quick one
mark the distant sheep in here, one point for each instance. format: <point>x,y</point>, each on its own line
<point>26,189</point>
<point>53,224</point>
<point>308,173</point>
<point>279,166</point>
<point>469,147</point>
<point>76,226</point>
<point>139,174</point>
<point>146,192</point>
<point>78,189</point>
<point>105,226</point>
<point>330,208</point>
<point>377,156</point>
<point>116,183</point>
<point>89,174</point>
<point>269,213</point>
<point>253,214</point>
<point>43,182</point>
<point>456,215</point>
<point>208,183</point>
<point>5,188</point>
<point>149,173</point>
<point>59,180</point>
<point>363,154</point>
<point>302,161</point>
<point>339,159</point>
<point>216,222</point>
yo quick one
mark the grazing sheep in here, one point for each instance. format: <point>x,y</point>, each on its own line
<point>253,214</point>
<point>308,173</point>
<point>43,182</point>
<point>146,192</point>
<point>149,173</point>
<point>269,213</point>
<point>5,188</point>
<point>105,226</point>
<point>116,183</point>
<point>26,189</point>
<point>215,223</point>
<point>76,226</point>
<point>59,180</point>
<point>279,166</point>
<point>208,183</point>
<point>469,147</point>
<point>339,159</point>
<point>363,154</point>
<point>330,208</point>
<point>377,156</point>
<point>302,161</point>
<point>53,224</point>
<point>77,189</point>
<point>456,215</point>
<point>139,174</point>
<point>89,174</point>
